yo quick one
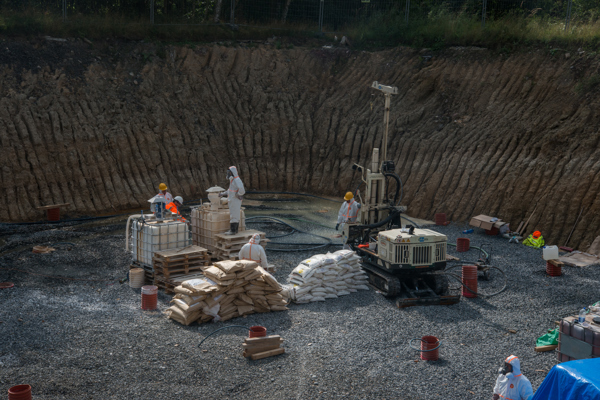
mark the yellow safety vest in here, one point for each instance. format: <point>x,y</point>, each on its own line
<point>533,242</point>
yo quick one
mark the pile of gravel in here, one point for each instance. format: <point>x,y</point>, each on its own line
<point>86,337</point>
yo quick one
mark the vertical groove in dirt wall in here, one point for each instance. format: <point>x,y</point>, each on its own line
<point>470,131</point>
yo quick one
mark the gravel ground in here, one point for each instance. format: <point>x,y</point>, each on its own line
<point>88,338</point>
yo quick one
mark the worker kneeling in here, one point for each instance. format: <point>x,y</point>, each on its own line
<point>174,206</point>
<point>535,240</point>
<point>253,251</point>
<point>348,211</point>
<point>511,383</point>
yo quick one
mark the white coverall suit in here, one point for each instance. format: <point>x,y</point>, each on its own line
<point>254,251</point>
<point>234,196</point>
<point>348,212</point>
<point>514,385</point>
<point>168,196</point>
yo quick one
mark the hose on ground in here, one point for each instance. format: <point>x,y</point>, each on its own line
<point>63,243</point>
<point>418,349</point>
<point>220,329</point>
<point>296,193</point>
<point>478,293</point>
<point>313,246</point>
<point>472,247</point>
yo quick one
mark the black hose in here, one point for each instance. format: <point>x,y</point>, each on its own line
<point>59,243</point>
<point>277,220</point>
<point>63,221</point>
<point>392,215</point>
<point>398,186</point>
<point>220,329</point>
<point>413,222</point>
<point>414,348</point>
<point>459,279</point>
<point>295,193</point>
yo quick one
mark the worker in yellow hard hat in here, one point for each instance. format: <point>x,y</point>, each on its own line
<point>163,192</point>
<point>348,211</point>
<point>535,240</point>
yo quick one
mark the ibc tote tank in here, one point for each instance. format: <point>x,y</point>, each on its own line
<point>152,236</point>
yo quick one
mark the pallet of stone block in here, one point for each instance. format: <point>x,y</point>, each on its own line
<point>262,347</point>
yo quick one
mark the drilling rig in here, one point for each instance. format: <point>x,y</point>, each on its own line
<point>402,262</point>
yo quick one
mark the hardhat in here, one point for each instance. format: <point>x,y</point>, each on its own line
<point>179,199</point>
<point>162,186</point>
<point>348,196</point>
<point>537,234</point>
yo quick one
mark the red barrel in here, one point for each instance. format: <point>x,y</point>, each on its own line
<point>440,219</point>
<point>428,343</point>
<point>469,279</point>
<point>463,244</point>
<point>53,214</point>
<point>19,392</point>
<point>149,297</point>
<point>553,270</point>
<point>258,331</point>
<point>492,232</point>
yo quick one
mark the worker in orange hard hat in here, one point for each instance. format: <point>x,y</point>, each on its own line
<point>163,192</point>
<point>535,240</point>
<point>348,211</point>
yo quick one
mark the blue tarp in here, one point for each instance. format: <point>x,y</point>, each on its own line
<point>573,380</point>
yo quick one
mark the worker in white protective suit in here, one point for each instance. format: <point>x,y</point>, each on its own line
<point>511,383</point>
<point>235,195</point>
<point>348,211</point>
<point>253,251</point>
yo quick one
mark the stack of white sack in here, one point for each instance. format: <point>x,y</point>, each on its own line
<point>328,276</point>
<point>229,289</point>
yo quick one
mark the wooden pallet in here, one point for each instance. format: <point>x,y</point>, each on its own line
<point>169,285</point>
<point>173,263</point>
<point>240,238</point>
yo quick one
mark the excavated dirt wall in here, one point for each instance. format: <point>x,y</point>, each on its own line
<point>99,126</point>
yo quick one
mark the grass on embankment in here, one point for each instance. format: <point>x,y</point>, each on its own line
<point>504,34</point>
<point>435,31</point>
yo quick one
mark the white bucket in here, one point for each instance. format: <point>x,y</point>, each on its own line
<point>550,253</point>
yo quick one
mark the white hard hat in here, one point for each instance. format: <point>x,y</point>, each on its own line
<point>179,199</point>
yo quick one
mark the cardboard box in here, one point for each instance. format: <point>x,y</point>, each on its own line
<point>485,222</point>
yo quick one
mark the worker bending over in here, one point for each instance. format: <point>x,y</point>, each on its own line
<point>535,240</point>
<point>235,195</point>
<point>162,191</point>
<point>253,251</point>
<point>174,206</point>
<point>348,211</point>
<point>511,383</point>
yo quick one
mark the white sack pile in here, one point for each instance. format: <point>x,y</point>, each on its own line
<point>328,276</point>
<point>231,289</point>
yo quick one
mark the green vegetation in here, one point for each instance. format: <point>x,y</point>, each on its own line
<point>433,24</point>
<point>441,28</point>
<point>588,84</point>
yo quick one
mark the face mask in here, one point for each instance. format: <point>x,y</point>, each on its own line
<point>503,370</point>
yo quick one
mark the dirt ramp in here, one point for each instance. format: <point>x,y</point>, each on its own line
<point>471,132</point>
